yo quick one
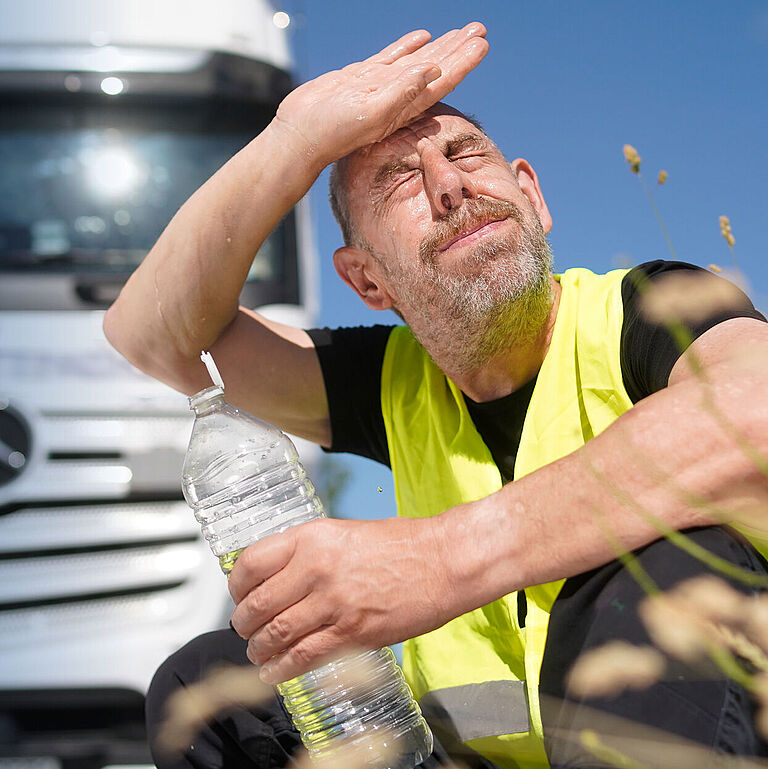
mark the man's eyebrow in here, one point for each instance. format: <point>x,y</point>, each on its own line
<point>464,142</point>
<point>387,170</point>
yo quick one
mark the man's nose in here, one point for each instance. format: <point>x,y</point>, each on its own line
<point>445,184</point>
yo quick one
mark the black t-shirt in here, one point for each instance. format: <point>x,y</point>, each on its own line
<point>351,360</point>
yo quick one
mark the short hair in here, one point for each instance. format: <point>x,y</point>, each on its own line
<point>337,195</point>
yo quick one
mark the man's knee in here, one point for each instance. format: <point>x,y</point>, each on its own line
<point>602,605</point>
<point>185,667</point>
<point>260,735</point>
<point>188,665</point>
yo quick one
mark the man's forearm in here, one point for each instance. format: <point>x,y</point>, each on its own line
<point>186,290</point>
<point>678,459</point>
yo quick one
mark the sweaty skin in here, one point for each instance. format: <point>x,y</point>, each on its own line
<point>318,589</point>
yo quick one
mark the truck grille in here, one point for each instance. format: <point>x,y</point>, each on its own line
<point>90,575</point>
<point>103,572</point>
<point>91,559</point>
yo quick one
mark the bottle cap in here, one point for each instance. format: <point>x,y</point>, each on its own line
<point>213,372</point>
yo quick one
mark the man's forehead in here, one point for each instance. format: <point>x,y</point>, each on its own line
<point>432,120</point>
<point>439,123</point>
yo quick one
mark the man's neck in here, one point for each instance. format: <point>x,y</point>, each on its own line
<point>514,362</point>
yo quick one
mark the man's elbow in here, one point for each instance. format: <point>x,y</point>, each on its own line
<point>114,330</point>
<point>120,332</point>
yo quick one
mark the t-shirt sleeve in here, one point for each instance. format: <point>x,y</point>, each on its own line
<point>351,360</point>
<point>648,351</point>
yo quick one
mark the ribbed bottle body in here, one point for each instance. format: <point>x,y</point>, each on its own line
<point>244,481</point>
<point>250,508</point>
<point>360,703</point>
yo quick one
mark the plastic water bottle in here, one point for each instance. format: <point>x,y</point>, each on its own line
<point>243,479</point>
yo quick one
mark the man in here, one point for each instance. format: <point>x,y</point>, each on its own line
<point>442,229</point>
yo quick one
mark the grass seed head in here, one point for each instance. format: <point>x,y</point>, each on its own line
<point>662,176</point>
<point>631,156</point>
<point>613,667</point>
<point>686,296</point>
<point>189,708</point>
<point>725,230</point>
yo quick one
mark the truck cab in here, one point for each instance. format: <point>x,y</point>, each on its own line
<point>111,114</point>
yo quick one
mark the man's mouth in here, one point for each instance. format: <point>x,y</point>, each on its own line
<point>470,235</point>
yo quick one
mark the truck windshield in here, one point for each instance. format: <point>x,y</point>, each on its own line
<point>87,189</point>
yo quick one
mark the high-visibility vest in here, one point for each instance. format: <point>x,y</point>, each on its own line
<point>481,670</point>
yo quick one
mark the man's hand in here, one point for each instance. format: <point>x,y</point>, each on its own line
<point>336,113</point>
<point>320,589</point>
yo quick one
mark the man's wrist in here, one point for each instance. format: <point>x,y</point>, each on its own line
<point>481,547</point>
<point>301,151</point>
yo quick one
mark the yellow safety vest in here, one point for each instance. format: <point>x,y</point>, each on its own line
<point>481,670</point>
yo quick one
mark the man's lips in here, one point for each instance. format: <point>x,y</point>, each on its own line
<point>473,234</point>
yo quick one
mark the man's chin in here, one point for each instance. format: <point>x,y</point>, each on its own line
<point>480,263</point>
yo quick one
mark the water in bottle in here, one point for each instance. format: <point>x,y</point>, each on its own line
<point>243,479</point>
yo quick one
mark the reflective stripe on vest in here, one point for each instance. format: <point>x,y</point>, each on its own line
<point>439,461</point>
<point>479,710</point>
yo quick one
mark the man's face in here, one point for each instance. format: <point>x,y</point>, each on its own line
<point>443,213</point>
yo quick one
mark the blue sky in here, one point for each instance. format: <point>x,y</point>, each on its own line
<point>565,85</point>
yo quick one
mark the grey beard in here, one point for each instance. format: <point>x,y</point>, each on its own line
<point>465,320</point>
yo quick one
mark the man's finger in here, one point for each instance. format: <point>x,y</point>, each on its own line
<point>267,600</point>
<point>446,45</point>
<point>422,86</point>
<point>315,649</point>
<point>408,43</point>
<point>285,629</point>
<point>259,562</point>
<point>454,69</point>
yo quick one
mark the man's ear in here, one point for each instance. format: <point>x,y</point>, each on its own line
<point>529,185</point>
<point>359,270</point>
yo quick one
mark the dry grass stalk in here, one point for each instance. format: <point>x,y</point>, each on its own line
<point>371,750</point>
<point>675,630</point>
<point>760,691</point>
<point>688,297</point>
<point>748,650</point>
<point>592,742</point>
<point>703,616</point>
<point>188,709</point>
<point>609,669</point>
<point>756,621</point>
<point>582,732</point>
<point>725,231</point>
<point>631,156</point>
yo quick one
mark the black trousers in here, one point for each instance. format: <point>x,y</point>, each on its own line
<point>593,608</point>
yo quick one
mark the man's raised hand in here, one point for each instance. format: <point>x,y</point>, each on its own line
<point>336,113</point>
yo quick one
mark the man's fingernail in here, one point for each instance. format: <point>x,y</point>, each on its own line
<point>265,674</point>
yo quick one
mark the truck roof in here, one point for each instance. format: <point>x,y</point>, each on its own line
<point>241,27</point>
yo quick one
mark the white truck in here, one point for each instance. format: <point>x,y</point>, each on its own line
<point>112,112</point>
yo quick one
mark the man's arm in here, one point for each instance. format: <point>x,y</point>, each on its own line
<point>404,577</point>
<point>183,297</point>
<point>682,455</point>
